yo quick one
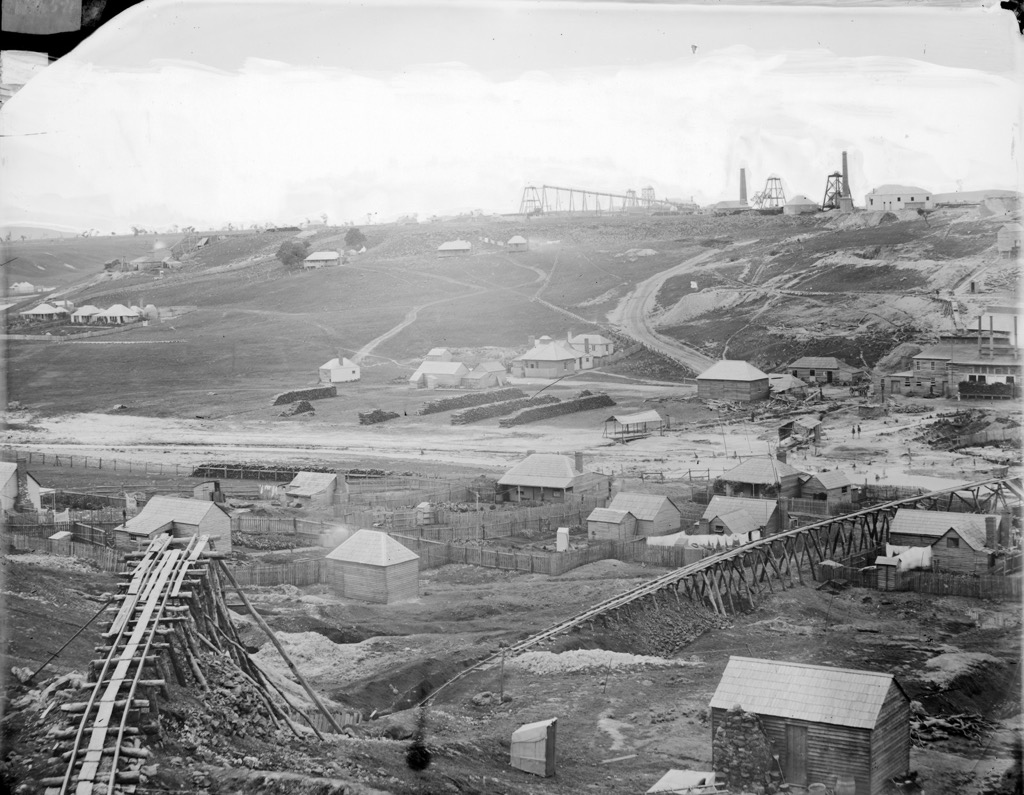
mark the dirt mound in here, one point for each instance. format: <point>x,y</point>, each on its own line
<point>966,682</point>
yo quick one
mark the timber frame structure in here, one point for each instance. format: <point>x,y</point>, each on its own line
<point>734,580</point>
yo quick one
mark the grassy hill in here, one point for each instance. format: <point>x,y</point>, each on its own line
<point>775,287</point>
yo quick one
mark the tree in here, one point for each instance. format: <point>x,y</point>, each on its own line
<point>7,237</point>
<point>354,238</point>
<point>323,217</point>
<point>292,252</point>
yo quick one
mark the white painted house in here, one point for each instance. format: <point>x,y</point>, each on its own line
<point>898,197</point>
<point>339,370</point>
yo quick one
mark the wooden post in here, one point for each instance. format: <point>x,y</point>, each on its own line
<point>273,638</point>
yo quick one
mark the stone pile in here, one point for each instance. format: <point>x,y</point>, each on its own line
<point>742,754</point>
<point>377,415</point>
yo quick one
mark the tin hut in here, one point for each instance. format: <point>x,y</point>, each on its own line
<point>655,514</point>
<point>606,524</point>
<point>828,725</point>
<point>373,567</point>
<point>731,379</point>
<point>313,488</point>
<point>739,516</point>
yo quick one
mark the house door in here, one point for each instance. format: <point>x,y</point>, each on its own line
<point>796,754</point>
<point>828,376</point>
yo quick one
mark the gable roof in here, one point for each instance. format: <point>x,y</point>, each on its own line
<point>644,507</point>
<point>439,368</point>
<point>321,256</point>
<point>594,339</point>
<point>830,480</point>
<point>161,511</point>
<point>516,239</point>
<point>765,470</point>
<point>542,469</point>
<point>117,310</point>
<point>335,362</point>
<point>438,352</point>
<point>760,510</point>
<point>455,245</point>
<point>822,362</point>
<point>732,370</point>
<point>8,469</point>
<point>43,309</point>
<point>372,548</point>
<point>553,351</point>
<point>306,484</point>
<point>491,366</point>
<point>935,524</point>
<point>636,419</point>
<point>86,311</point>
<point>900,189</point>
<point>609,515</point>
<point>780,382</point>
<point>814,693</point>
<point>738,521</point>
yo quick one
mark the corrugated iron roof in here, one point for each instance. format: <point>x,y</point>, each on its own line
<point>780,382</point>
<point>553,351</point>
<point>760,471</point>
<point>372,548</point>
<point>161,511</point>
<point>636,419</point>
<point>542,470</point>
<point>831,480</point>
<point>891,188</point>
<point>644,507</point>
<point>821,362</point>
<point>935,524</point>
<point>439,368</point>
<point>609,515</point>
<point>814,693</point>
<point>759,510</point>
<point>306,484</point>
<point>732,370</point>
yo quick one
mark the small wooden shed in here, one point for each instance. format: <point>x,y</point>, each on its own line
<point>517,243</point>
<point>373,567</point>
<point>732,380</point>
<point>533,747</point>
<point>607,524</point>
<point>655,514</point>
<point>825,723</point>
<point>313,488</point>
<point>962,542</point>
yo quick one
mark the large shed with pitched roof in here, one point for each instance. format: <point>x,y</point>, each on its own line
<point>655,514</point>
<point>372,567</point>
<point>823,722</point>
<point>731,379</point>
<point>959,541</point>
<point>179,516</point>
<point>548,477</point>
<point>761,477</point>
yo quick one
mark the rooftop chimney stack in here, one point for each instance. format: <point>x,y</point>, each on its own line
<point>743,185</point>
<point>846,177</point>
<point>579,462</point>
<point>991,337</point>
<point>991,532</point>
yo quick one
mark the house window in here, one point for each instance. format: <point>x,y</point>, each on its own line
<point>1009,379</point>
<point>794,374</point>
<point>953,543</point>
<point>978,378</point>
<point>845,489</point>
<point>906,382</point>
<point>917,383</point>
<point>810,372</point>
<point>932,364</point>
<point>911,198</point>
<point>899,198</point>
<point>871,202</point>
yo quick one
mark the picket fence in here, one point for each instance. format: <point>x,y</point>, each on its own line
<point>248,523</point>
<point>130,465</point>
<point>105,558</point>
<point>298,573</point>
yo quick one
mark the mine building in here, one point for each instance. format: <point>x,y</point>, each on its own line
<point>517,243</point>
<point>898,197</point>
<point>338,370</point>
<point>321,259</point>
<point>731,379</point>
<point>824,370</point>
<point>1008,240</point>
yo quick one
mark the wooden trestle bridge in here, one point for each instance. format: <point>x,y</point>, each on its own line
<point>734,580</point>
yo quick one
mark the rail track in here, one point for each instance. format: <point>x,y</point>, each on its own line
<point>746,571</point>
<point>104,752</point>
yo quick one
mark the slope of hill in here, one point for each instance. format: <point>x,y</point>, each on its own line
<point>770,288</point>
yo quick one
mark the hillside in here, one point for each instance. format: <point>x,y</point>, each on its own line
<point>768,288</point>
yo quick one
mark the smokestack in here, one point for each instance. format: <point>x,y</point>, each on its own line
<point>1004,530</point>
<point>846,177</point>
<point>579,462</point>
<point>991,336</point>
<point>743,185</point>
<point>991,532</point>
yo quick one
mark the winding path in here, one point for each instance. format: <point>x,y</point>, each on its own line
<point>635,317</point>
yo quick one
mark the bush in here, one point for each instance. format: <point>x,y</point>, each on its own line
<point>982,389</point>
<point>292,252</point>
<point>354,238</point>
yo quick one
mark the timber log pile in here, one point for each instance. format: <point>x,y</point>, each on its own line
<point>584,402</point>
<point>490,410</point>
<point>925,729</point>
<point>469,399</point>
<point>312,393</point>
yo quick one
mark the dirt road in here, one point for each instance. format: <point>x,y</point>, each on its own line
<point>634,315</point>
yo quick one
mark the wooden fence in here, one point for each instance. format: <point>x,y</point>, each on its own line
<point>298,573</point>
<point>984,586</point>
<point>248,523</point>
<point>130,465</point>
<point>436,553</point>
<point>105,558</point>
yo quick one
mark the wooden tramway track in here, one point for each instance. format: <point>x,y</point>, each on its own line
<point>742,573</point>
<point>104,743</point>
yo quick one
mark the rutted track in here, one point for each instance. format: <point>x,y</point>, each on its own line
<point>859,529</point>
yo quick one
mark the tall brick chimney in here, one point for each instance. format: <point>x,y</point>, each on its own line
<point>991,532</point>
<point>846,177</point>
<point>743,185</point>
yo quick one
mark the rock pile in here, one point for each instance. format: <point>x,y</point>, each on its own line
<point>302,407</point>
<point>741,753</point>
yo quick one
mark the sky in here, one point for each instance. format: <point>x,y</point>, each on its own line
<point>197,112</point>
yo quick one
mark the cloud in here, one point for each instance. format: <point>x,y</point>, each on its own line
<point>182,143</point>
